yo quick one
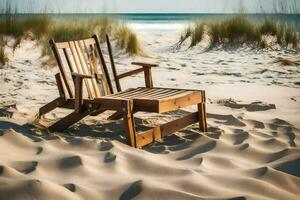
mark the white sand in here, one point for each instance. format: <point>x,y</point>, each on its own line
<point>250,152</point>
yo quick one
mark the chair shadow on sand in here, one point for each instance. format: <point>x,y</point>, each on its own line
<point>107,131</point>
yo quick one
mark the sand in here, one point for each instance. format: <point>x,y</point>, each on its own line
<point>251,150</point>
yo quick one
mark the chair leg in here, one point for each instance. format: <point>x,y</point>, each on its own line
<point>202,117</point>
<point>51,106</point>
<point>68,120</point>
<point>128,121</point>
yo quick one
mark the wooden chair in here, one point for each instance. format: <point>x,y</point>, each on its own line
<point>82,61</point>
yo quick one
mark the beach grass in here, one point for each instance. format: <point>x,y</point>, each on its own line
<point>185,35</point>
<point>3,57</point>
<point>44,28</point>
<point>197,34</point>
<point>237,30</point>
<point>128,40</point>
<point>240,30</point>
<point>269,27</point>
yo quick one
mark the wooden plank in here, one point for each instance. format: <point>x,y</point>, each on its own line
<point>78,94</point>
<point>157,133</point>
<point>118,86</point>
<point>92,63</point>
<point>89,68</point>
<point>106,103</point>
<point>128,93</point>
<point>69,105</point>
<point>98,112</point>
<point>61,68</point>
<point>116,115</point>
<point>105,76</point>
<point>62,45</point>
<point>60,86</point>
<point>69,120</point>
<point>202,115</point>
<point>170,93</point>
<point>149,93</point>
<point>142,93</point>
<point>148,78</point>
<point>104,66</point>
<point>128,121</point>
<point>119,94</point>
<point>79,68</point>
<point>148,137</point>
<point>145,64</point>
<point>89,41</point>
<point>70,61</point>
<point>129,73</point>
<point>51,106</point>
<point>85,69</point>
<point>146,105</point>
<point>181,101</point>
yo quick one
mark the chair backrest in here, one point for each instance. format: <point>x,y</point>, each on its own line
<point>84,57</point>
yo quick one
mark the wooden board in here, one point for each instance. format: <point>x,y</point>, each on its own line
<point>157,133</point>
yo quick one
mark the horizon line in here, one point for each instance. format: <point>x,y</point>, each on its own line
<point>154,13</point>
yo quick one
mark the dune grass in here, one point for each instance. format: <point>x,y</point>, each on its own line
<point>44,28</point>
<point>197,34</point>
<point>3,58</point>
<point>127,39</point>
<point>239,30</point>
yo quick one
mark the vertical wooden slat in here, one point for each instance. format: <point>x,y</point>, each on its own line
<point>103,64</point>
<point>112,62</point>
<point>70,61</point>
<point>93,62</point>
<point>79,68</point>
<point>128,120</point>
<point>98,62</point>
<point>61,68</point>
<point>89,68</point>
<point>60,86</point>
<point>78,94</point>
<point>84,68</point>
<point>101,78</point>
<point>202,114</point>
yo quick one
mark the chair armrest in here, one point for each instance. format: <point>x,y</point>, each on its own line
<point>129,73</point>
<point>74,74</point>
<point>145,67</point>
<point>78,79</point>
<point>143,64</point>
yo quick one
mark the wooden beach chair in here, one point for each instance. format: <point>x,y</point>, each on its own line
<point>85,87</point>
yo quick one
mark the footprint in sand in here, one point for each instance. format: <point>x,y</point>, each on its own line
<point>70,186</point>
<point>252,107</point>
<point>109,157</point>
<point>240,136</point>
<point>105,146</point>
<point>281,126</point>
<point>198,150</point>
<point>132,191</point>
<point>70,162</point>
<point>226,119</point>
<point>39,150</point>
<point>291,167</point>
<point>25,167</point>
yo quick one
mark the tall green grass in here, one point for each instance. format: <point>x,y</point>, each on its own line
<point>239,30</point>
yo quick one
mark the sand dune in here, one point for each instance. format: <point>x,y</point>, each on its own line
<point>251,150</point>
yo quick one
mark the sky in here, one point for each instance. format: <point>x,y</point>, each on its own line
<point>154,6</point>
